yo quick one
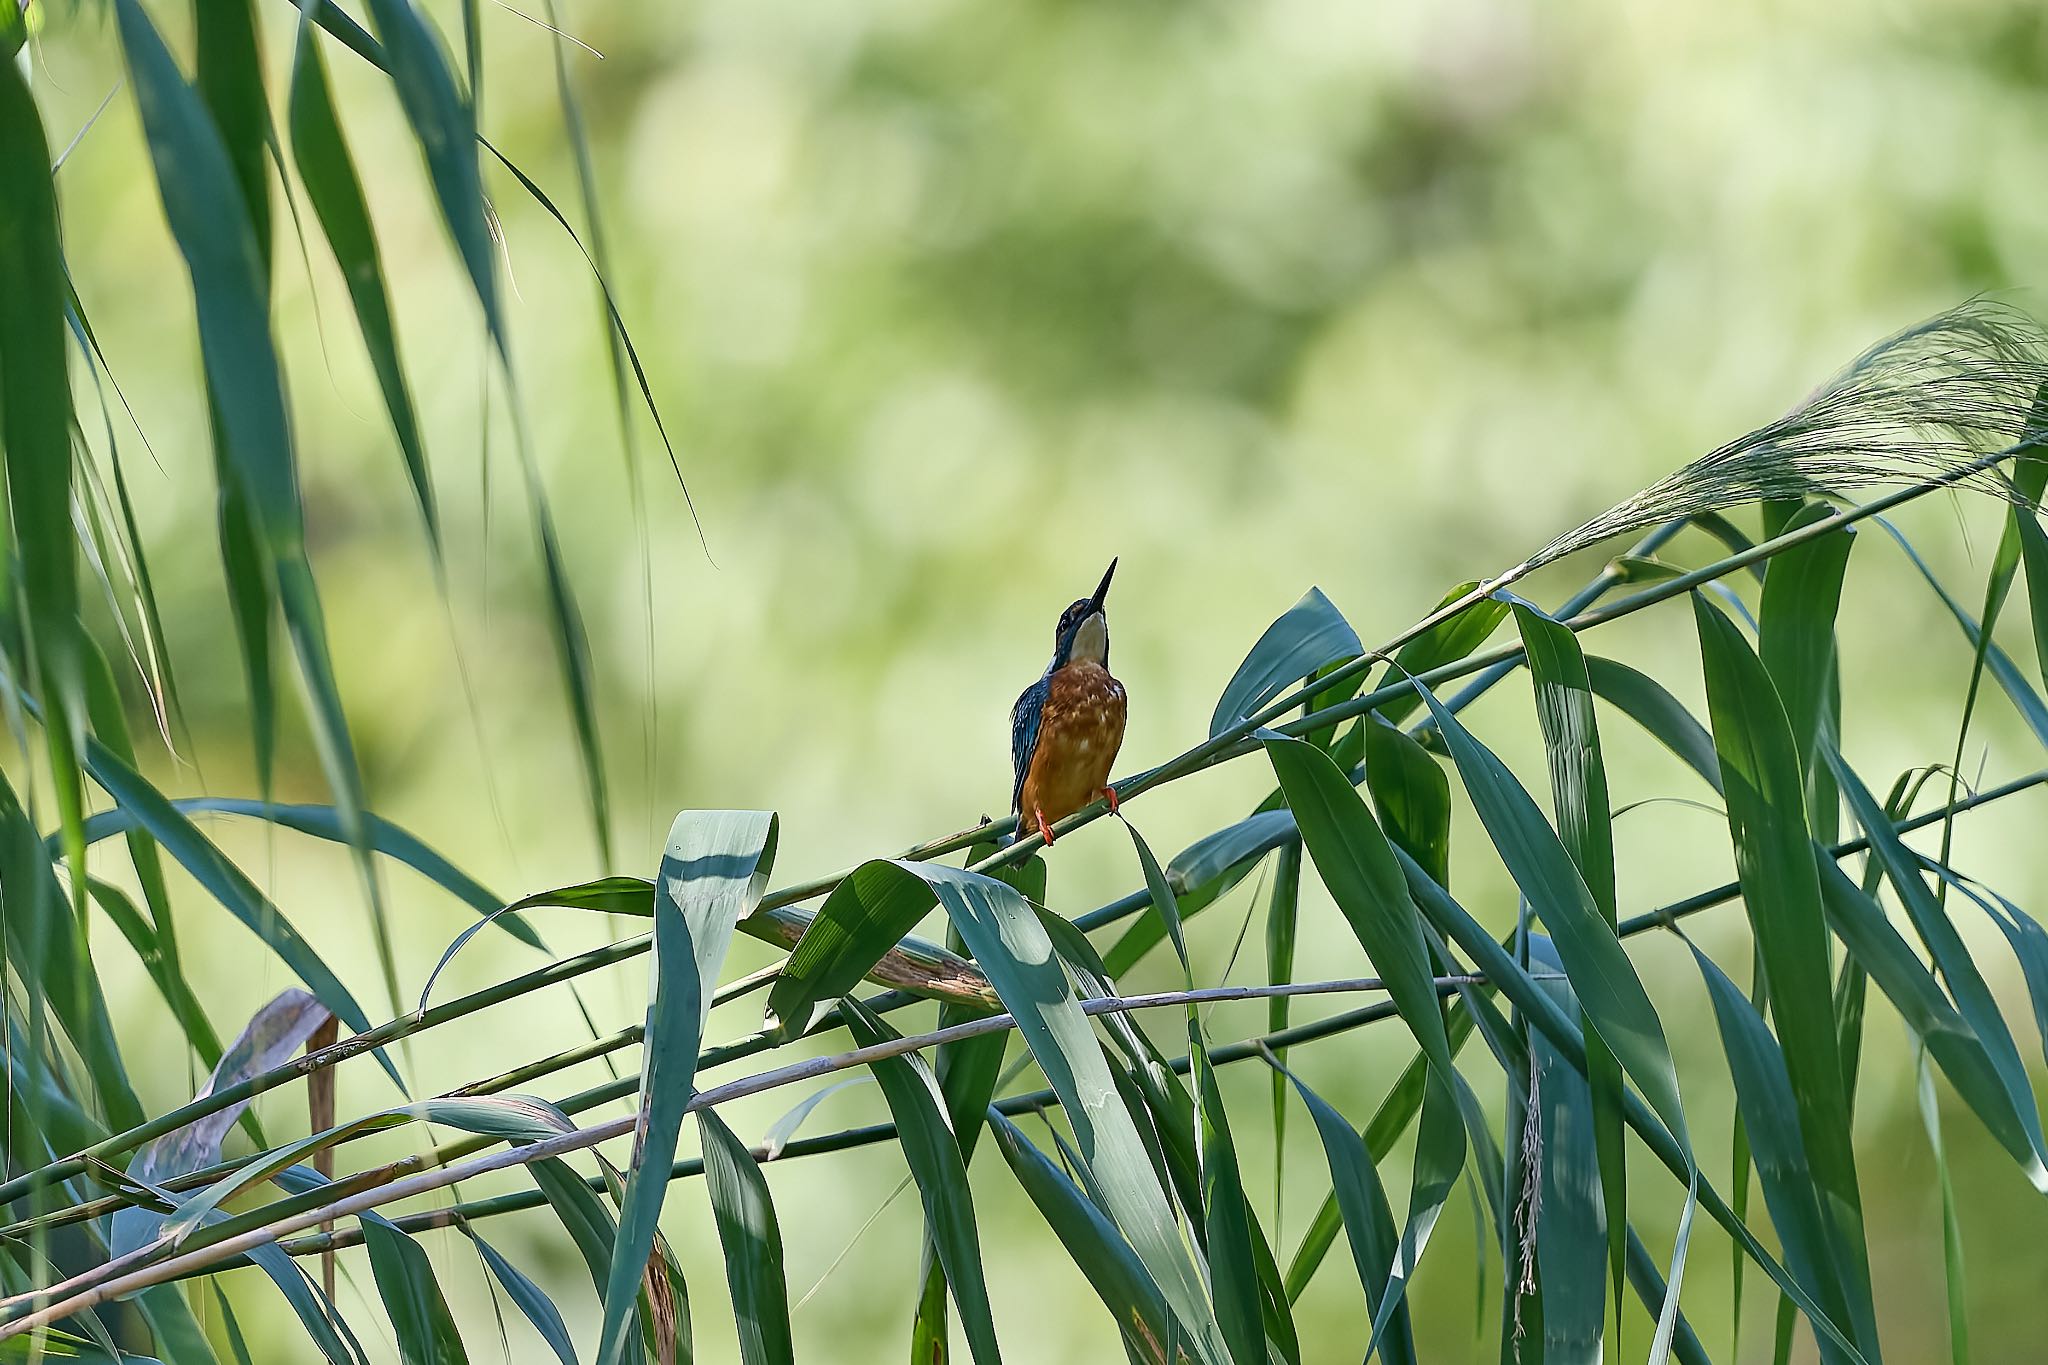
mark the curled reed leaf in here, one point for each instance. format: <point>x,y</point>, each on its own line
<point>1927,403</point>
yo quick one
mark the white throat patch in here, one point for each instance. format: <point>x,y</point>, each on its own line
<point>1091,640</point>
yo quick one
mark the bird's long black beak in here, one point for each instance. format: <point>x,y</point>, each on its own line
<point>1102,590</point>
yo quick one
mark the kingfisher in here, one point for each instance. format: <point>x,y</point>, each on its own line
<point>1066,728</point>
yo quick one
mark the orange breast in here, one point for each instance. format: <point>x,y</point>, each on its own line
<point>1079,733</point>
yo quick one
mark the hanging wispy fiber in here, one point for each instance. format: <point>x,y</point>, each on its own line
<point>1928,404</point>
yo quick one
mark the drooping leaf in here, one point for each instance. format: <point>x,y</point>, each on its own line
<point>1802,593</point>
<point>204,206</point>
<point>1368,1220</point>
<point>1871,940</point>
<point>1771,1116</point>
<point>1200,875</point>
<point>444,126</point>
<point>35,440</point>
<point>933,1154</point>
<point>1606,984</point>
<point>1974,1001</point>
<point>1364,877</point>
<point>227,883</point>
<point>1003,932</point>
<point>532,1302</point>
<point>271,1036</point>
<point>1233,1273</point>
<point>1113,1270</point>
<point>1309,636</point>
<point>1578,786</point>
<point>419,1313</point>
<point>1403,1101</point>
<point>1357,865</point>
<point>1643,699</point>
<point>1775,864</point>
<point>1951,1231</point>
<point>320,152</point>
<point>713,872</point>
<point>1283,911</point>
<point>748,1231</point>
<point>1507,976</point>
<point>45,948</point>
<point>155,941</point>
<point>2010,679</point>
<point>1573,1205</point>
<point>324,822</point>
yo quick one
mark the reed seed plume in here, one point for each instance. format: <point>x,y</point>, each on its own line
<point>1927,404</point>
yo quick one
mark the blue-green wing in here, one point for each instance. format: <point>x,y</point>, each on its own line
<point>1024,736</point>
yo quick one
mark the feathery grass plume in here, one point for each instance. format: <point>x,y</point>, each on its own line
<point>1926,404</point>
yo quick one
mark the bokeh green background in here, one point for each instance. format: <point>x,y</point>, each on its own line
<point>945,303</point>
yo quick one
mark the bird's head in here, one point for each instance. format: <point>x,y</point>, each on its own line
<point>1084,629</point>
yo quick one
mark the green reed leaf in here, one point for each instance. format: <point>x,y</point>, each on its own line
<point>713,872</point>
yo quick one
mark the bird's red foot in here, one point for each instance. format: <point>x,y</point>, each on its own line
<point>1110,793</point>
<point>1044,829</point>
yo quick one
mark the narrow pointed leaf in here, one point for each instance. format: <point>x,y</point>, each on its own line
<point>1283,910</point>
<point>933,1155</point>
<point>1359,868</point>
<point>1200,875</point>
<point>1670,1149</point>
<point>2014,683</point>
<point>713,872</point>
<point>1309,636</point>
<point>1098,1250</point>
<point>1775,863</point>
<point>1608,989</point>
<point>445,128</point>
<point>1973,998</point>
<point>1802,594</point>
<point>1643,699</point>
<point>321,154</point>
<point>1367,1219</point>
<point>420,1317</point>
<point>533,1304</point>
<point>1403,1101</point>
<point>35,441</point>
<point>1771,1116</point>
<point>753,1244</point>
<point>227,884</point>
<point>324,822</point>
<point>1951,1230</point>
<point>1578,785</point>
<point>45,948</point>
<point>1871,940</point>
<point>1233,1275</point>
<point>204,206</point>
<point>1571,1230</point>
